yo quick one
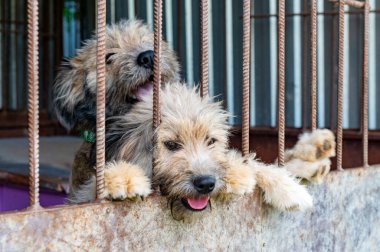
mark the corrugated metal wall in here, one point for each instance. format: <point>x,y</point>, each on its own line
<point>181,29</point>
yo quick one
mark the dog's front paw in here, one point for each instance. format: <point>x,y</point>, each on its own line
<point>289,197</point>
<point>125,180</point>
<point>316,145</point>
<point>311,171</point>
<point>280,189</point>
<point>239,177</point>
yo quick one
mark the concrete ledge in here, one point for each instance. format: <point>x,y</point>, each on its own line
<point>346,217</point>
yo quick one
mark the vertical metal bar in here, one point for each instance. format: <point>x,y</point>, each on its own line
<point>149,14</point>
<point>313,64</point>
<point>13,62</point>
<point>373,65</point>
<point>33,116</point>
<point>131,9</point>
<point>273,60</point>
<point>365,85</point>
<point>189,42</point>
<point>340,85</point>
<point>297,71</point>
<point>157,65</point>
<point>246,65</point>
<point>169,22</point>
<point>211,51</point>
<point>321,65</point>
<point>305,40</point>
<point>204,47</point>
<point>113,11</point>
<point>100,96</point>
<point>281,82</point>
<point>252,116</point>
<point>229,60</point>
<point>346,69</point>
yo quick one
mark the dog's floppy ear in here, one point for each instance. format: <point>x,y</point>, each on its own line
<point>68,91</point>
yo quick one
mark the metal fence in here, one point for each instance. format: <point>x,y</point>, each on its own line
<point>33,81</point>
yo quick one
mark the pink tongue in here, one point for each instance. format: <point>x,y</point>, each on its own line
<point>198,203</point>
<point>144,90</point>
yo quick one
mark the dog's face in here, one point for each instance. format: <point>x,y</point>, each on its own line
<point>129,73</point>
<point>191,146</point>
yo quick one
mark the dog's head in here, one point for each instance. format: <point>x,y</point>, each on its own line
<point>191,145</point>
<point>129,73</point>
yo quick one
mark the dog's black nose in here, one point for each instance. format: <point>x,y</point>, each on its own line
<point>145,59</point>
<point>204,184</point>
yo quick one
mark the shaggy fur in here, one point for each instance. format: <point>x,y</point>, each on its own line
<point>75,86</point>
<point>191,141</point>
<point>309,159</point>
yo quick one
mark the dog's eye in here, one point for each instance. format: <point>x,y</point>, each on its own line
<point>211,141</point>
<point>108,60</point>
<point>172,146</point>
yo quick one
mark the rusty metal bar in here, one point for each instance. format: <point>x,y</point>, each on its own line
<point>100,96</point>
<point>365,84</point>
<point>204,47</point>
<point>246,82</point>
<point>33,98</point>
<point>157,16</point>
<point>281,82</point>
<point>340,86</point>
<point>313,64</point>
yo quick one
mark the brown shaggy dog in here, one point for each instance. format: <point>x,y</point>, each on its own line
<point>192,161</point>
<point>129,69</point>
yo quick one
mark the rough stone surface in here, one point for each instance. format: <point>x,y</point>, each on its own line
<point>346,217</point>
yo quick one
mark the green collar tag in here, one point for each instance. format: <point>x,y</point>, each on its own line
<point>88,136</point>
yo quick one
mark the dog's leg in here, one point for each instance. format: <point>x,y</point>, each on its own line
<point>311,171</point>
<point>280,189</point>
<point>125,180</point>
<point>239,178</point>
<point>313,146</point>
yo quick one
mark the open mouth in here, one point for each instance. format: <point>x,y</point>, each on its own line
<point>143,90</point>
<point>196,204</point>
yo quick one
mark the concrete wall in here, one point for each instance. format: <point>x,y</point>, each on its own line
<point>346,217</point>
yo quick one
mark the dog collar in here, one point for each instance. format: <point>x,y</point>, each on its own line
<point>88,136</point>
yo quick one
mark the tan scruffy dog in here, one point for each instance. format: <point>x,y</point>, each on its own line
<point>192,161</point>
<point>129,70</point>
<point>309,159</point>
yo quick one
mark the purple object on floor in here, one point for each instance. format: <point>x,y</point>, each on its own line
<point>15,197</point>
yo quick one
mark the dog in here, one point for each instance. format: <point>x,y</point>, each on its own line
<point>129,73</point>
<point>129,70</point>
<point>192,161</point>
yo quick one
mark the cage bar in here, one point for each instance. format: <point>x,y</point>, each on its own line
<point>100,96</point>
<point>157,17</point>
<point>229,49</point>
<point>169,23</point>
<point>364,117</point>
<point>189,42</point>
<point>281,82</point>
<point>204,47</point>
<point>339,130</point>
<point>313,64</point>
<point>246,82</point>
<point>131,9</point>
<point>33,101</point>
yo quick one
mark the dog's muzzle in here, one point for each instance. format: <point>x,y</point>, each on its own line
<point>204,185</point>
